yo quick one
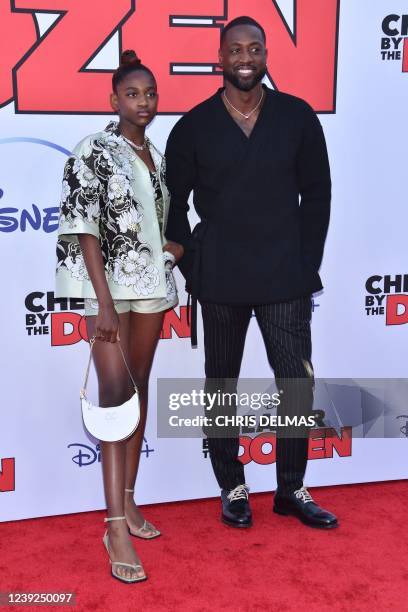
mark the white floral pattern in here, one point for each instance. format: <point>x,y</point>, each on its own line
<point>85,176</point>
<point>77,267</point>
<point>66,190</point>
<point>119,187</point>
<point>171,289</point>
<point>130,220</point>
<point>133,270</point>
<point>118,154</point>
<point>93,211</point>
<point>148,281</point>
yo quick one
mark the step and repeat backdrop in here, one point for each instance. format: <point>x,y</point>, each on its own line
<point>349,60</point>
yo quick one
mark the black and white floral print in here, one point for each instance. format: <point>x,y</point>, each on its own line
<point>158,198</point>
<point>74,261</point>
<point>171,289</point>
<point>98,198</point>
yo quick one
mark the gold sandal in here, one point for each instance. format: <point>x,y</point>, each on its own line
<point>134,566</point>
<point>145,528</point>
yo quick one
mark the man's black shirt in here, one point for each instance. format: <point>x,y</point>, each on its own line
<point>258,242</point>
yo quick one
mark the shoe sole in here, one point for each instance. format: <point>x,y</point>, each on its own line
<point>236,525</point>
<point>305,522</point>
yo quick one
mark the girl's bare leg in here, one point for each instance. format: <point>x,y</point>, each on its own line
<point>114,389</point>
<point>144,335</point>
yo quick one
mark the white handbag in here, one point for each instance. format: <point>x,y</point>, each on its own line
<point>110,424</point>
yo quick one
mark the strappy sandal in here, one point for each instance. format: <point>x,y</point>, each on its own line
<point>133,566</point>
<point>145,528</point>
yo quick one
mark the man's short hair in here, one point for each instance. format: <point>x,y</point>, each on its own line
<point>240,21</point>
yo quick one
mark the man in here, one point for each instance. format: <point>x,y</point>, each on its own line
<point>248,153</point>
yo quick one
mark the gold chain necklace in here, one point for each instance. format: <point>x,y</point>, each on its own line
<point>247,115</point>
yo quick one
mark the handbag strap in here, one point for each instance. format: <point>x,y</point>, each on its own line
<point>91,344</point>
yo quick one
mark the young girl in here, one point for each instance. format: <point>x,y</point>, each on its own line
<point>113,253</point>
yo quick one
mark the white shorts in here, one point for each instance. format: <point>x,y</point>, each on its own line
<point>142,306</point>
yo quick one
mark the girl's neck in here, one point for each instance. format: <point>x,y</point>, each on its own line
<point>132,132</point>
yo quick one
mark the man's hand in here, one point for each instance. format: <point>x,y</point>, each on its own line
<point>107,324</point>
<point>176,249</point>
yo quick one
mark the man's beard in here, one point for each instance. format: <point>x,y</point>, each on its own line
<point>246,85</point>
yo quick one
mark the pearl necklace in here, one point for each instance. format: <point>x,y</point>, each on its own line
<point>247,115</point>
<point>134,145</point>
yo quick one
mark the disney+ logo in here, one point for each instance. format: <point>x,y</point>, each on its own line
<point>12,219</point>
<point>87,455</point>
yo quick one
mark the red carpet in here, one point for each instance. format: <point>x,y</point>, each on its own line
<point>201,565</point>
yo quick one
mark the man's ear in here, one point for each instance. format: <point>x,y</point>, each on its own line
<point>220,58</point>
<point>114,101</point>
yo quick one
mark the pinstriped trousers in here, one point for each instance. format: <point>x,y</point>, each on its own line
<point>285,327</point>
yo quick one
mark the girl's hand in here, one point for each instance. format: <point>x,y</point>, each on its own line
<point>176,249</point>
<point>107,324</point>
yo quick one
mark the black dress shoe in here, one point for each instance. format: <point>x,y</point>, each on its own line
<point>300,504</point>
<point>236,511</point>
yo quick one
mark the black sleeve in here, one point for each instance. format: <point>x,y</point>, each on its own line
<point>315,190</point>
<point>181,170</point>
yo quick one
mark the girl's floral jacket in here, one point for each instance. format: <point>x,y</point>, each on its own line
<point>107,192</point>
